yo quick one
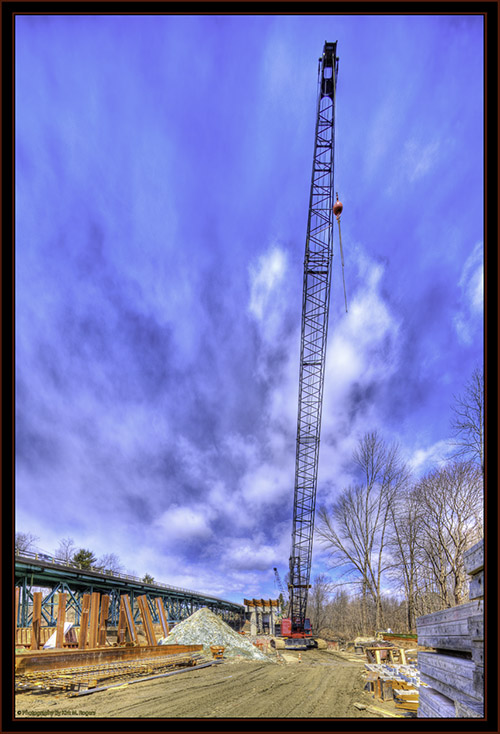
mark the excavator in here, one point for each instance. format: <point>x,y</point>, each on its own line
<point>296,632</point>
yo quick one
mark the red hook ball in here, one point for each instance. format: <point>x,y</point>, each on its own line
<point>337,207</point>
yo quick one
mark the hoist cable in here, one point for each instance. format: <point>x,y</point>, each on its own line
<point>338,217</point>
<point>342,259</point>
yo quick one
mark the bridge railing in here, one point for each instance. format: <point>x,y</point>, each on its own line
<point>112,574</point>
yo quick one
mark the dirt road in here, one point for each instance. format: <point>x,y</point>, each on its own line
<point>323,685</point>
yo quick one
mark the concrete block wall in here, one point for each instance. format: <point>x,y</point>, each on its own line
<point>454,671</point>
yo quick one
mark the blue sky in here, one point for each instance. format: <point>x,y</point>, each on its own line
<point>163,166</point>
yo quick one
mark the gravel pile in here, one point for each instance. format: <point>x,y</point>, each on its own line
<point>206,628</point>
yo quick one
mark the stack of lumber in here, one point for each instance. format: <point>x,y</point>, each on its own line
<point>454,671</point>
<point>398,683</point>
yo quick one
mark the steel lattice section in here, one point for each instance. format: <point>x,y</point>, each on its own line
<point>315,308</point>
<point>53,578</point>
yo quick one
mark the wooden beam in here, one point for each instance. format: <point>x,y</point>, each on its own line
<point>476,586</point>
<point>103,623</point>
<point>55,659</point>
<point>450,674</point>
<point>147,622</point>
<point>122,623</point>
<point>448,629</point>
<point>129,619</point>
<point>84,622</point>
<point>36,620</point>
<point>162,616</point>
<point>61,618</point>
<point>94,619</point>
<point>474,558</point>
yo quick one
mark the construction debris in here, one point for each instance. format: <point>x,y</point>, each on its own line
<point>398,683</point>
<point>88,677</point>
<point>207,629</point>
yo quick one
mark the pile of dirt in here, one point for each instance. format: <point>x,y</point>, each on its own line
<point>206,628</point>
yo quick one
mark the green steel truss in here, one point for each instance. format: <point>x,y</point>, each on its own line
<point>52,579</point>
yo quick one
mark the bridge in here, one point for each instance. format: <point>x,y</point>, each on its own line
<point>37,571</point>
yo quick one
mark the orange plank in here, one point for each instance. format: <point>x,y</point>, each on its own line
<point>84,622</point>
<point>162,616</point>
<point>147,622</point>
<point>61,618</point>
<point>103,621</point>
<point>36,620</point>
<point>94,619</point>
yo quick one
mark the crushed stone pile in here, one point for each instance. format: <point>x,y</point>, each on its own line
<point>206,628</point>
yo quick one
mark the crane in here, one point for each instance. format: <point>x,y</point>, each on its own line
<point>283,593</point>
<point>315,309</point>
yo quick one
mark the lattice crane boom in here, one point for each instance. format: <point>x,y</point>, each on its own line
<point>315,309</point>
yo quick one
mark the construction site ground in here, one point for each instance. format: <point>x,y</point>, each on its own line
<point>319,684</point>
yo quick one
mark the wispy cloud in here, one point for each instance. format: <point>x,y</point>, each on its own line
<point>424,459</point>
<point>419,158</point>
<point>469,316</point>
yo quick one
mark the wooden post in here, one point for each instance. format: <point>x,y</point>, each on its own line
<point>94,619</point>
<point>403,656</point>
<point>162,616</point>
<point>61,618</point>
<point>122,623</point>
<point>147,622</point>
<point>129,618</point>
<point>103,621</point>
<point>18,590</point>
<point>84,622</point>
<point>36,620</point>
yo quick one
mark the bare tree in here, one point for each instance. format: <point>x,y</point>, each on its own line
<point>450,520</point>
<point>110,563</point>
<point>66,550</point>
<point>24,542</point>
<point>342,618</point>
<point>468,420</point>
<point>404,548</point>
<point>355,528</point>
<point>317,601</point>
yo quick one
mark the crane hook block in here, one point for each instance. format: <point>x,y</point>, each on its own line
<point>337,207</point>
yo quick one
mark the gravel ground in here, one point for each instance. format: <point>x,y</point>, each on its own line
<point>319,685</point>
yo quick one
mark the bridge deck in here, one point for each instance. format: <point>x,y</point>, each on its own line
<point>32,571</point>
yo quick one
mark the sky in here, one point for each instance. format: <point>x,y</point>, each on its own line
<point>163,167</point>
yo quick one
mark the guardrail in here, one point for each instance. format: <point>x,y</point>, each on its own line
<point>29,555</point>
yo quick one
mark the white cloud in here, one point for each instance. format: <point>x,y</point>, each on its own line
<point>266,278</point>
<point>182,523</point>
<point>363,344</point>
<point>266,484</point>
<point>425,459</point>
<point>362,357</point>
<point>418,158</point>
<point>471,283</point>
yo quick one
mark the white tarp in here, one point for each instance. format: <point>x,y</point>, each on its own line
<point>51,642</point>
